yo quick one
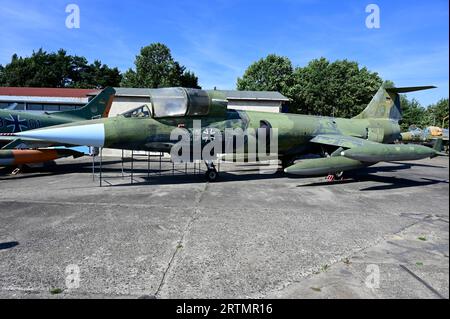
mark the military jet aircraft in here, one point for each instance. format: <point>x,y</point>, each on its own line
<point>345,144</point>
<point>19,151</point>
<point>12,121</point>
<point>428,137</point>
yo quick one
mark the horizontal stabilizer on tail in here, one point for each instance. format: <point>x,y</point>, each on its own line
<point>409,89</point>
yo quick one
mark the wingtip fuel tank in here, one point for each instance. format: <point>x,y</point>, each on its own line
<point>324,166</point>
<point>21,157</point>
<point>388,152</point>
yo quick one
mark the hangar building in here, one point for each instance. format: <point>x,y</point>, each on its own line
<point>264,101</point>
<point>43,99</point>
<point>64,99</point>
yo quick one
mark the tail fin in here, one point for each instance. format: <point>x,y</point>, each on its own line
<point>438,145</point>
<point>98,107</point>
<point>386,103</point>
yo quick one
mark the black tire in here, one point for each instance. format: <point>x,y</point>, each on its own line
<point>339,175</point>
<point>212,175</point>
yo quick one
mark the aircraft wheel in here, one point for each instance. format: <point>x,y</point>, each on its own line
<point>339,175</point>
<point>212,175</point>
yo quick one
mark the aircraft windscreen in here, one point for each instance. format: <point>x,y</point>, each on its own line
<point>142,111</point>
<point>169,102</point>
<point>198,102</point>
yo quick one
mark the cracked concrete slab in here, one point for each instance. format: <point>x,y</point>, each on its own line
<point>408,267</point>
<point>249,235</point>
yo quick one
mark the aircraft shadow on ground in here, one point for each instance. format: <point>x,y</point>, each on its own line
<point>166,176</point>
<point>180,178</point>
<point>8,245</point>
<point>57,169</point>
<point>389,182</point>
<point>417,164</point>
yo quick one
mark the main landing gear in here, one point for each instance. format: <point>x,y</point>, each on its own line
<point>339,176</point>
<point>211,172</point>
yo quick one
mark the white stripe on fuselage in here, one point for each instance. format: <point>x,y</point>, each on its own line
<point>89,135</point>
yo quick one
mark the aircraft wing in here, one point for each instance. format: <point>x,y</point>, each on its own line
<point>356,153</point>
<point>341,141</point>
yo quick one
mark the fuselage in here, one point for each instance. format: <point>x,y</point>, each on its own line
<point>294,130</point>
<point>19,121</point>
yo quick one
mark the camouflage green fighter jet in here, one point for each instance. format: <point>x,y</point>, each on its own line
<point>12,121</point>
<point>345,144</point>
<point>22,151</point>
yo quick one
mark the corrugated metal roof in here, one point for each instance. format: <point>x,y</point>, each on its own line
<point>46,92</point>
<point>230,94</point>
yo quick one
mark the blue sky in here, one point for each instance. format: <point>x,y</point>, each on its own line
<point>219,39</point>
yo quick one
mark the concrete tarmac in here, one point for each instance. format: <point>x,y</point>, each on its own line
<point>381,233</point>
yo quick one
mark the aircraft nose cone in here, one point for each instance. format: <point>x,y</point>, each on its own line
<point>90,134</point>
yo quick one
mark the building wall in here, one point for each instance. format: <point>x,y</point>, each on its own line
<point>124,103</point>
<point>260,106</point>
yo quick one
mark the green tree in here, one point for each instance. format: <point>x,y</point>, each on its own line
<point>155,68</point>
<point>189,79</point>
<point>438,113</point>
<point>99,74</point>
<point>339,88</point>
<point>272,73</point>
<point>57,69</point>
<point>412,114</point>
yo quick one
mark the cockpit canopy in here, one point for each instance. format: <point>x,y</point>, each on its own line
<point>141,111</point>
<point>177,102</point>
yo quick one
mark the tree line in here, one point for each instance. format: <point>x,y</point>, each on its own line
<point>154,68</point>
<point>341,88</point>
